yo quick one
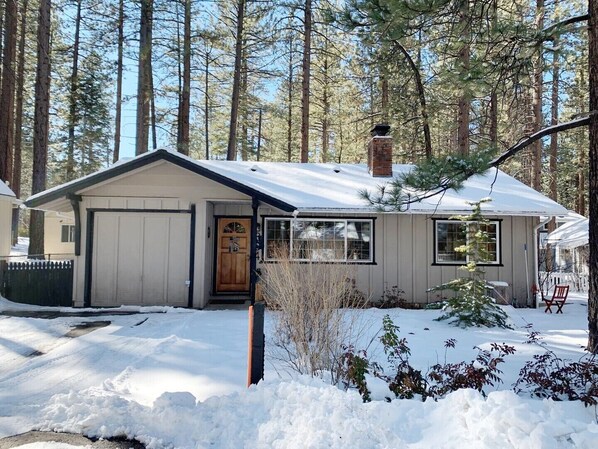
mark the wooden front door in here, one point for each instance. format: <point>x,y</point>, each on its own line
<point>232,255</point>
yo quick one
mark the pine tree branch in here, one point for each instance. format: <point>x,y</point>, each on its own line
<point>550,32</point>
<point>525,142</point>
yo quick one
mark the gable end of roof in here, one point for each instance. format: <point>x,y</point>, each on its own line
<point>136,163</point>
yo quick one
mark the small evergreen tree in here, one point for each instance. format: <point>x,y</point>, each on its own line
<point>471,305</point>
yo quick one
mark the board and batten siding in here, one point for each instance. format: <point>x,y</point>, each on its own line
<point>405,258</point>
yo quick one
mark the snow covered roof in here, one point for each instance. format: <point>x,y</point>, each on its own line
<point>570,235</point>
<point>5,190</point>
<point>329,187</point>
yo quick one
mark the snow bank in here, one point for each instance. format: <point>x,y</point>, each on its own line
<point>307,413</point>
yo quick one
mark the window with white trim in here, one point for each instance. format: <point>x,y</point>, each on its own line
<point>67,233</point>
<point>451,235</point>
<point>326,240</point>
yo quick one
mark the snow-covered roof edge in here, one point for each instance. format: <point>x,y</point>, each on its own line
<point>5,190</point>
<point>271,184</point>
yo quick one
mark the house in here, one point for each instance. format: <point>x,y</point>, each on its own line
<point>162,228</point>
<point>7,201</point>
<point>570,249</point>
<point>59,235</point>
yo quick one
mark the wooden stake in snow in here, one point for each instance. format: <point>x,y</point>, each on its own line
<point>256,343</point>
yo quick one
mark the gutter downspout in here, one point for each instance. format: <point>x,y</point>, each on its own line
<point>537,253</point>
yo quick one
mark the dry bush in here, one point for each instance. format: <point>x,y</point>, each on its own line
<point>310,327</point>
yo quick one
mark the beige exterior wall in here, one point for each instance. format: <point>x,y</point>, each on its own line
<point>53,244</point>
<point>161,186</point>
<point>404,256</point>
<point>5,225</point>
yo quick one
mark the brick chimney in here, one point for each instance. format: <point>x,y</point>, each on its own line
<point>380,152</point>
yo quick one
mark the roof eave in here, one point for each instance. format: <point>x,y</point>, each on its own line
<point>72,188</point>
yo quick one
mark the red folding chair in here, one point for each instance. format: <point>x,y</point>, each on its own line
<point>559,296</point>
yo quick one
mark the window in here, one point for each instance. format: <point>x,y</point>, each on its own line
<point>328,240</point>
<point>451,235</point>
<point>67,233</point>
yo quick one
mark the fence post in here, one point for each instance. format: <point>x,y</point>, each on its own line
<point>256,344</point>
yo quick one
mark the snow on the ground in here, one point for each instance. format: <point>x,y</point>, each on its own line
<point>178,380</point>
<point>199,352</point>
<point>309,414</point>
<point>21,248</point>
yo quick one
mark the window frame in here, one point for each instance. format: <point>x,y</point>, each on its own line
<point>496,263</point>
<point>346,220</point>
<point>70,233</point>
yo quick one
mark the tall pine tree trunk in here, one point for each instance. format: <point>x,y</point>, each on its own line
<point>207,103</point>
<point>326,105</point>
<point>306,67</point>
<point>144,77</point>
<point>1,28</point>
<point>554,120</point>
<point>421,94</point>
<point>74,87</point>
<point>582,165</point>
<point>185,100</point>
<point>7,94</point>
<point>40,125</point>
<point>493,128</point>
<point>384,89</point>
<point>259,136</point>
<point>17,164</point>
<point>119,80</point>
<point>593,177</point>
<point>231,153</point>
<point>152,107</point>
<point>243,106</point>
<point>464,99</point>
<point>552,169</point>
<point>290,102</point>
<point>538,71</point>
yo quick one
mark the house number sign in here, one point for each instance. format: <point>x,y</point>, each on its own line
<point>233,245</point>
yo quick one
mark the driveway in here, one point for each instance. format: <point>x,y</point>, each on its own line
<point>134,356</point>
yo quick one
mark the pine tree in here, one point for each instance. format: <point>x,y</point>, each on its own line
<point>40,131</point>
<point>471,304</point>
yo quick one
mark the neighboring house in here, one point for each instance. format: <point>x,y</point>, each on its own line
<point>570,242</point>
<point>7,201</point>
<point>163,228</point>
<point>59,235</point>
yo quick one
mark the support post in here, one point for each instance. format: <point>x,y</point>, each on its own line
<point>253,250</point>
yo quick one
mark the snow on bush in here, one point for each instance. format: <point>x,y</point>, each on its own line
<point>306,413</point>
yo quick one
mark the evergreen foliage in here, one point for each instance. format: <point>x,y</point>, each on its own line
<point>471,304</point>
<point>428,178</point>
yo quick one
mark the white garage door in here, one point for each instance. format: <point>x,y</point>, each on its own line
<point>140,258</point>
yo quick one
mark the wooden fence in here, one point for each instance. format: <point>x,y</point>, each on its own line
<point>38,282</point>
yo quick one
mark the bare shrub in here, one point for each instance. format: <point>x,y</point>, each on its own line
<point>310,325</point>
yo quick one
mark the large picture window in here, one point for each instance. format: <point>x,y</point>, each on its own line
<point>450,235</point>
<point>326,240</point>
